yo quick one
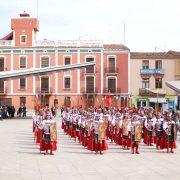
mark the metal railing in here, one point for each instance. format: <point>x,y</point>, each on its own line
<point>6,42</point>
<point>112,90</point>
<point>111,70</point>
<point>3,91</point>
<point>89,90</point>
<point>44,91</point>
<point>144,92</point>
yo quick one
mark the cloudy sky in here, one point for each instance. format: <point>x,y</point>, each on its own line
<point>149,24</point>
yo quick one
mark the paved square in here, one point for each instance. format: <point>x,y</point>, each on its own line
<point>20,159</point>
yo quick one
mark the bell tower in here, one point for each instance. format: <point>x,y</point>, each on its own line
<point>24,30</point>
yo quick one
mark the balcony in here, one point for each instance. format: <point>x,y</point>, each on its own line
<point>152,71</point>
<point>3,91</point>
<point>44,91</point>
<point>112,90</point>
<point>144,92</point>
<point>89,91</point>
<point>6,43</point>
<point>89,71</point>
<point>111,70</point>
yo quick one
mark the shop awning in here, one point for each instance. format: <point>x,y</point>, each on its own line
<point>157,100</point>
<point>175,85</point>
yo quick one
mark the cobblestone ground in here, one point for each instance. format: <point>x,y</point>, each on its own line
<point>20,159</point>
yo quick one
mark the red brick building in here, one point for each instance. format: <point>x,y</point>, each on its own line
<point>89,86</point>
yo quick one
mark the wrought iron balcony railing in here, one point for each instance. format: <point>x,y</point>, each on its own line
<point>144,92</point>
<point>6,43</point>
<point>3,91</point>
<point>112,90</point>
<point>111,70</point>
<point>89,90</point>
<point>44,91</point>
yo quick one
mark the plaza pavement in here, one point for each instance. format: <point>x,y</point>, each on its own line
<point>20,159</point>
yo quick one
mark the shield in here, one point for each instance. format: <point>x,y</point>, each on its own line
<point>53,132</point>
<point>106,121</point>
<point>138,132</point>
<point>125,127</point>
<point>89,126</point>
<point>102,131</point>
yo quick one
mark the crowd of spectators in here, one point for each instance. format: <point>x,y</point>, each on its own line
<point>9,112</point>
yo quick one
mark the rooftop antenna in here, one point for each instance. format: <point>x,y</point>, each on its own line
<point>37,6</point>
<point>124,32</point>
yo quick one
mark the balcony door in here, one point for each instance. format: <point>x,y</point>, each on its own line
<point>111,85</point>
<point>90,69</point>
<point>1,81</point>
<point>44,84</point>
<point>1,64</point>
<point>112,65</point>
<point>90,84</point>
<point>1,86</point>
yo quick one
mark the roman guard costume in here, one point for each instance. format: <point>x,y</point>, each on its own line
<point>149,126</point>
<point>126,132</point>
<point>159,133</point>
<point>49,140</point>
<point>136,134</point>
<point>170,134</point>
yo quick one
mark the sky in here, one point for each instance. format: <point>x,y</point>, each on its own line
<point>150,25</point>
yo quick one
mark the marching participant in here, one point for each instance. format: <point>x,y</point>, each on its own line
<point>49,141</point>
<point>126,128</point>
<point>169,127</point>
<point>99,135</point>
<point>136,134</point>
<point>149,126</point>
<point>159,131</point>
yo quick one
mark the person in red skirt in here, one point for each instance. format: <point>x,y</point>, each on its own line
<point>47,142</point>
<point>126,132</point>
<point>169,127</point>
<point>149,126</point>
<point>159,131</point>
<point>136,134</point>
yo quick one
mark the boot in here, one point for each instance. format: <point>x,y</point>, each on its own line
<point>137,152</point>
<point>132,151</point>
<point>172,150</point>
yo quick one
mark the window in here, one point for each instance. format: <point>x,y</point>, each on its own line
<point>23,38</point>
<point>145,83</point>
<point>90,84</point>
<point>111,65</point>
<point>90,69</point>
<point>67,60</point>
<point>67,82</point>
<point>112,85</point>
<point>44,62</point>
<point>158,64</point>
<point>22,83</point>
<point>1,86</point>
<point>145,64</point>
<point>158,82</point>
<point>22,101</point>
<point>44,84</point>
<point>22,62</point>
<point>1,64</point>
